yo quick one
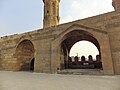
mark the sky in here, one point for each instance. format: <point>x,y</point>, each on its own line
<point>84,48</point>
<point>19,16</point>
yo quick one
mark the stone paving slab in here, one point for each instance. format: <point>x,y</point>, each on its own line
<point>38,81</point>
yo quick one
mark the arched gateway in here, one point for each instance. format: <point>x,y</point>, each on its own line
<point>74,33</point>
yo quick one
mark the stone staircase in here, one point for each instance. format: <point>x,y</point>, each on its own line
<point>81,71</point>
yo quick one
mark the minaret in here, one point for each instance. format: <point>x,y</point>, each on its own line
<point>116,4</point>
<point>51,13</point>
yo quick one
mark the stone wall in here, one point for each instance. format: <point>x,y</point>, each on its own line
<point>47,44</point>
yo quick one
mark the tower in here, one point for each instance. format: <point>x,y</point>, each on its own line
<point>116,4</point>
<point>51,13</point>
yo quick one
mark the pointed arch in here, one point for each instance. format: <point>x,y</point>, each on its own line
<point>25,54</point>
<point>69,40</point>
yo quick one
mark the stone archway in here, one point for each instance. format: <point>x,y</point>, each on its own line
<point>69,40</point>
<point>25,55</point>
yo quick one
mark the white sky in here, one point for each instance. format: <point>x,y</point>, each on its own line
<point>79,9</point>
<point>84,48</point>
<point>19,16</point>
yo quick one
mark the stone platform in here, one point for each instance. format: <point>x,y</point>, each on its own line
<point>81,71</point>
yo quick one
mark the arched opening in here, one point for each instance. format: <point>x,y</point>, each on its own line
<point>32,64</point>
<point>85,60</point>
<point>25,55</point>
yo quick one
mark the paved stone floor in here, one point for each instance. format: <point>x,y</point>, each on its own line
<point>38,81</point>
